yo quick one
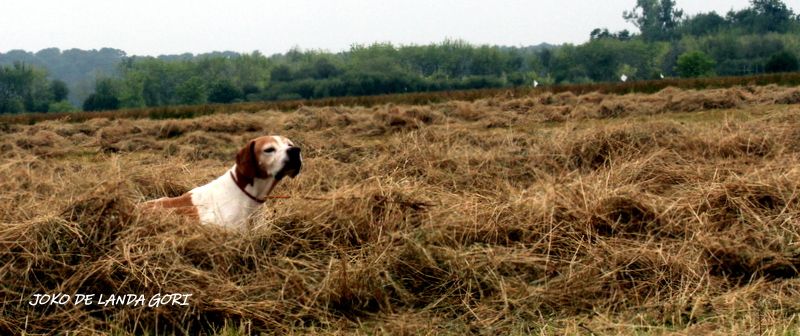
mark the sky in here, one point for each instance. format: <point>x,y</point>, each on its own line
<point>153,27</point>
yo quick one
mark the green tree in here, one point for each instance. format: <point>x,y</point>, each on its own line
<point>77,68</point>
<point>784,61</point>
<point>223,91</point>
<point>773,15</point>
<point>131,90</point>
<point>695,64</point>
<point>104,98</point>
<point>23,88</point>
<point>763,16</point>
<point>250,70</point>
<point>38,94</point>
<point>192,91</point>
<point>281,73</point>
<point>656,20</point>
<point>324,68</point>
<point>487,61</point>
<point>59,90</point>
<point>12,82</point>
<point>597,33</point>
<point>703,24</point>
<point>669,18</point>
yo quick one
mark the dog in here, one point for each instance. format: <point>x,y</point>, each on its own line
<point>230,199</point>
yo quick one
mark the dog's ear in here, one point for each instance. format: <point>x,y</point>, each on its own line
<point>246,162</point>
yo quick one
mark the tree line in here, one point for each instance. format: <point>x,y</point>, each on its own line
<point>27,89</point>
<point>758,39</point>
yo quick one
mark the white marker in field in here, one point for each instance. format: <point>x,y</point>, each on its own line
<point>662,76</point>
<point>535,83</point>
<point>624,78</point>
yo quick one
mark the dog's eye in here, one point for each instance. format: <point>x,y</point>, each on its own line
<point>269,150</point>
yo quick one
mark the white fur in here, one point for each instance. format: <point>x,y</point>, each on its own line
<point>221,202</point>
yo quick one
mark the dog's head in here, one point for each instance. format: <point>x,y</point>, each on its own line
<point>269,156</point>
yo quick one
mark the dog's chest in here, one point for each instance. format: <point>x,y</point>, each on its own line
<point>220,202</point>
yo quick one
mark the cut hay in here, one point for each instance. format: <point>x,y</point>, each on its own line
<point>545,214</point>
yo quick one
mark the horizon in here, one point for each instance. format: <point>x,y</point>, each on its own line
<point>543,44</point>
<point>307,25</point>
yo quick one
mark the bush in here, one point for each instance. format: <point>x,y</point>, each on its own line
<point>13,105</point>
<point>695,64</point>
<point>62,106</point>
<point>98,102</point>
<point>104,98</point>
<point>782,62</point>
<point>224,92</point>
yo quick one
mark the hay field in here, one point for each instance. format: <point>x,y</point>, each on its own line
<point>675,212</point>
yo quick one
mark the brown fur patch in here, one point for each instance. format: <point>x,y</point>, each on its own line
<point>181,205</point>
<point>247,165</point>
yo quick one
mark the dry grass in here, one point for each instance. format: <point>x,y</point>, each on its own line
<point>675,212</point>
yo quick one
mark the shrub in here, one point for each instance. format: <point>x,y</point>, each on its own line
<point>62,106</point>
<point>224,92</point>
<point>695,64</point>
<point>104,98</point>
<point>782,62</point>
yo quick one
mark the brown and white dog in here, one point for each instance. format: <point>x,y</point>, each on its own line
<point>231,198</point>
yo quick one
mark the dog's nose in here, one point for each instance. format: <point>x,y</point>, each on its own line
<point>294,164</point>
<point>294,152</point>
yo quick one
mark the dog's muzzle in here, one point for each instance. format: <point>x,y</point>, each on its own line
<point>293,164</point>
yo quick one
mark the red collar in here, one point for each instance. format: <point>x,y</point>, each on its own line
<point>241,187</point>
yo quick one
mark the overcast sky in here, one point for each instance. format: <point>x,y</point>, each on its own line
<point>152,27</point>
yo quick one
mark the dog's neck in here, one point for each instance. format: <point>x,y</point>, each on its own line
<point>254,187</point>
